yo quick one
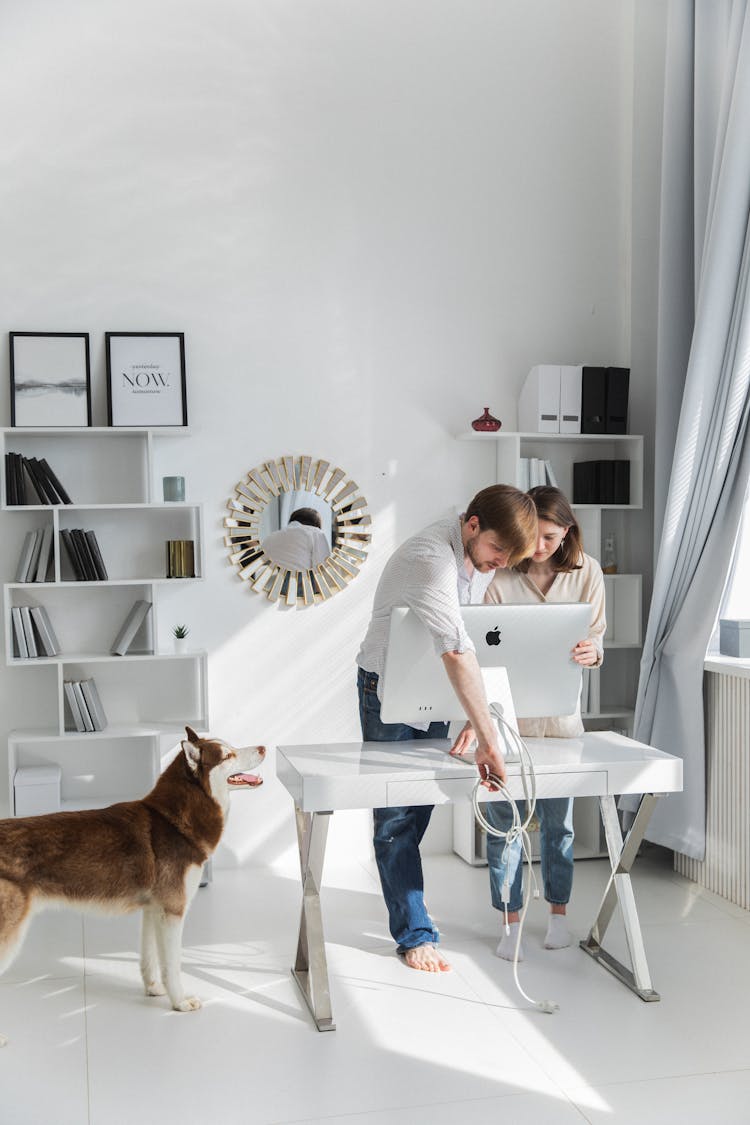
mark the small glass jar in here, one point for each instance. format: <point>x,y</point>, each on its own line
<point>609,557</point>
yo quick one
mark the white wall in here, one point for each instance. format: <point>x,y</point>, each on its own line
<point>370,218</point>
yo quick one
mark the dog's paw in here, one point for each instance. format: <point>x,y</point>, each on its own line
<point>189,1004</point>
<point>155,988</point>
<point>3,1041</point>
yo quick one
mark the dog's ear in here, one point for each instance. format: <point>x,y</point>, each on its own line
<point>192,755</point>
<point>193,737</point>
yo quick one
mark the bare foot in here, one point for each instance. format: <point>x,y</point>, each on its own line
<point>426,957</point>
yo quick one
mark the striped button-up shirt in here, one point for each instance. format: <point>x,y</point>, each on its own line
<point>427,574</point>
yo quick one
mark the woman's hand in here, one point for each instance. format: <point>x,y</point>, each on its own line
<point>464,742</point>
<point>585,653</point>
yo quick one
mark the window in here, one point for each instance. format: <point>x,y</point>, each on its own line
<point>735,604</point>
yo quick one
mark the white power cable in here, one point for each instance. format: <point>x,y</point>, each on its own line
<point>517,830</point>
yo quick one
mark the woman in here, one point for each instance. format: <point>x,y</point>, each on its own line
<point>558,571</point>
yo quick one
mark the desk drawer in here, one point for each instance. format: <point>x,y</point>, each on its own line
<point>583,783</point>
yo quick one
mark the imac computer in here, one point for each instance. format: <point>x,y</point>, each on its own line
<point>530,643</point>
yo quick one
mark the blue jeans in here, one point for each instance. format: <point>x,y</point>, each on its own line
<point>399,831</point>
<point>556,838</point>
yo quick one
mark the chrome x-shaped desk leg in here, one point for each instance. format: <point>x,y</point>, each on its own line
<point>310,968</point>
<point>619,889</point>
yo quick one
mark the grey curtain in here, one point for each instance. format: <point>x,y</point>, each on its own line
<point>703,381</point>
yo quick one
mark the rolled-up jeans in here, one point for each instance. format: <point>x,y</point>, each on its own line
<point>399,830</point>
<point>556,841</point>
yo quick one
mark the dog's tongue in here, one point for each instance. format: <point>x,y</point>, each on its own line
<point>242,780</point>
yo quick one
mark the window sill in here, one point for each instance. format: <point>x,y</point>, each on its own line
<point>727,665</point>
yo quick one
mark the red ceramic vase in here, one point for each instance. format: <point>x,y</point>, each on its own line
<point>486,424</point>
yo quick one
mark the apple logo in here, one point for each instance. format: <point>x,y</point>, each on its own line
<point>493,637</point>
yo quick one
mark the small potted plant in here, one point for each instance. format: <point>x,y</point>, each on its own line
<point>179,633</point>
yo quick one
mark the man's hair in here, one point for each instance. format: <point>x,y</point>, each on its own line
<point>307,516</point>
<point>511,514</point>
<point>552,505</point>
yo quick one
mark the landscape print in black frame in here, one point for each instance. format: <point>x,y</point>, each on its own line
<point>50,379</point>
<point>146,379</point>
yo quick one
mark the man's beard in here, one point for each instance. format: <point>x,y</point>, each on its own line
<point>481,567</point>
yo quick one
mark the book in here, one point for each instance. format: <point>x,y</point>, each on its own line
<point>72,553</point>
<point>93,545</point>
<point>593,400</point>
<point>536,472</point>
<point>621,493</point>
<point>16,489</point>
<point>27,553</point>
<point>53,480</point>
<point>44,481</point>
<point>584,477</point>
<point>31,573</point>
<point>10,481</point>
<point>32,475</point>
<point>88,722</point>
<point>570,399</point>
<point>45,552</point>
<point>73,705</point>
<point>46,484</point>
<point>551,478</point>
<point>84,554</point>
<point>47,637</point>
<point>94,704</point>
<point>606,483</point>
<point>28,631</point>
<point>18,633</point>
<point>20,476</point>
<point>130,627</point>
<point>539,400</point>
<point>618,380</point>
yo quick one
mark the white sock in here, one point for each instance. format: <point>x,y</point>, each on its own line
<point>507,945</point>
<point>558,935</point>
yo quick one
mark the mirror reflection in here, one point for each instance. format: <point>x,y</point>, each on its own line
<point>295,531</point>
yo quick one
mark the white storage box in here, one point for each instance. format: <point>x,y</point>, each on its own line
<point>36,790</point>
<point>734,637</point>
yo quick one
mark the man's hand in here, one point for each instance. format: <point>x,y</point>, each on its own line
<point>464,742</point>
<point>490,761</point>
<point>464,675</point>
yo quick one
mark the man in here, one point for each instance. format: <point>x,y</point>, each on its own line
<point>301,545</point>
<point>449,564</point>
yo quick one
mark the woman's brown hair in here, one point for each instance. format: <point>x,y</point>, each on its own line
<point>552,505</point>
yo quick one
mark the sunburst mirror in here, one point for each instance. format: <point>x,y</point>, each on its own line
<point>297,530</point>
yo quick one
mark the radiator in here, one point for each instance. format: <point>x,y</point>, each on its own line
<point>726,868</point>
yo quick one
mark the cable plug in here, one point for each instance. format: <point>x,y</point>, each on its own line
<point>548,1006</point>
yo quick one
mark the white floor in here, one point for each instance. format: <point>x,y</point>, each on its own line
<point>88,1049</point>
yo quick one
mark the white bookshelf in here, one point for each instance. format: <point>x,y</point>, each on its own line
<point>612,687</point>
<point>150,693</point>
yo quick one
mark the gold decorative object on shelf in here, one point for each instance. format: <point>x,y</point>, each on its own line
<point>180,558</point>
<point>285,495</point>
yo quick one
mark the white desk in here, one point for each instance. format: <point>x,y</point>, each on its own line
<point>366,775</point>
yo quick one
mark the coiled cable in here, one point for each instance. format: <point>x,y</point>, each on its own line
<point>518,830</point>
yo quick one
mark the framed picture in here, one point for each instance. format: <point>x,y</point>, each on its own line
<point>50,379</point>
<point>146,379</point>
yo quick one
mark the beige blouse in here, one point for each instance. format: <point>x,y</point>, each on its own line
<point>584,585</point>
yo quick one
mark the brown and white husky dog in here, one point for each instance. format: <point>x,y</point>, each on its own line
<point>139,855</point>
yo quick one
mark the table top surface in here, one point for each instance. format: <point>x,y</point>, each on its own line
<point>361,774</point>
